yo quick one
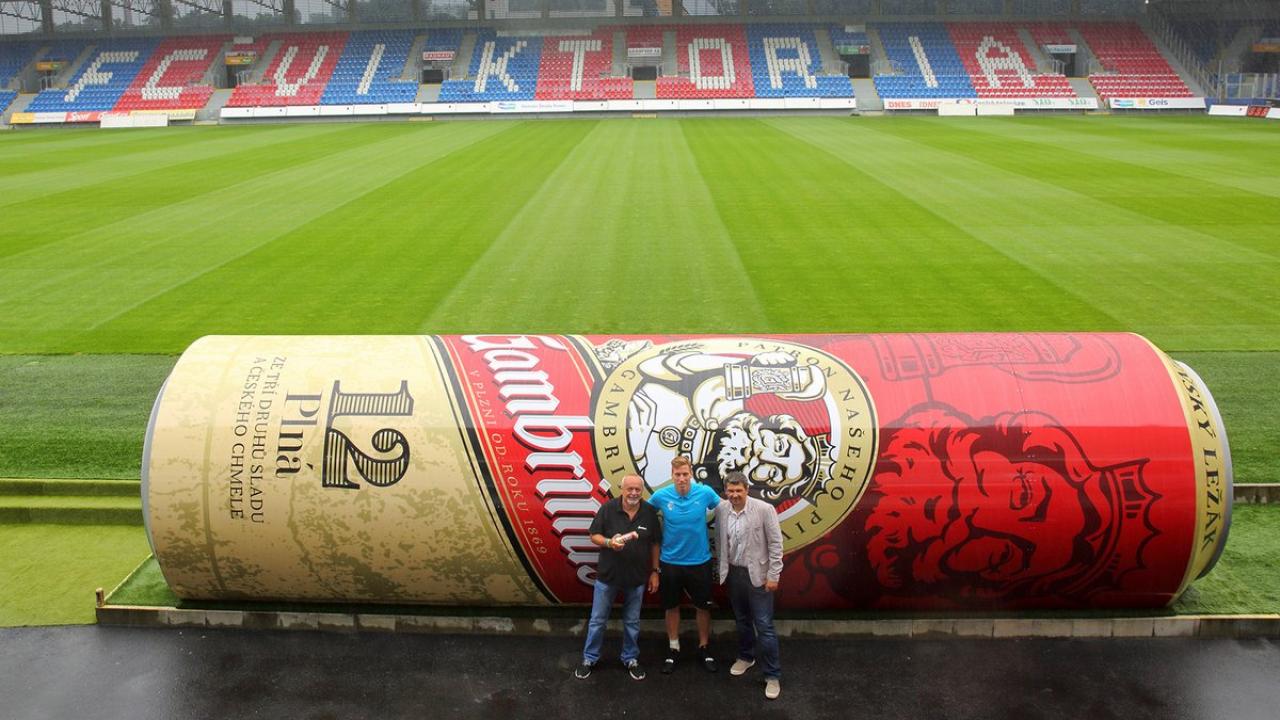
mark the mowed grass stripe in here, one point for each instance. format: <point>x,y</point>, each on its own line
<point>55,217</point>
<point>86,247</point>
<point>622,237</point>
<point>1178,286</point>
<point>377,263</point>
<point>76,416</point>
<point>128,263</point>
<point>1211,138</point>
<point>127,168</point>
<point>833,248</point>
<point>1246,388</point>
<point>48,157</point>
<point>1240,173</point>
<point>26,140</point>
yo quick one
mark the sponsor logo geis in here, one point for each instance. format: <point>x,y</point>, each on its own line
<point>529,402</point>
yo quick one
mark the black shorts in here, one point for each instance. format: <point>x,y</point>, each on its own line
<point>680,579</point>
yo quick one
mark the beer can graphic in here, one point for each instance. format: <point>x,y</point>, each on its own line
<point>912,471</point>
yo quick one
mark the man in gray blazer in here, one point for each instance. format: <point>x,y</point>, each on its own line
<point>750,547</point>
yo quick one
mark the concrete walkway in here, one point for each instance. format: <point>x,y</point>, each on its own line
<point>110,673</point>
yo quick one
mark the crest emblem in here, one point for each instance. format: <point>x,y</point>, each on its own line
<point>796,421</point>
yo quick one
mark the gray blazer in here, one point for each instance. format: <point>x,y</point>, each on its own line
<point>763,554</point>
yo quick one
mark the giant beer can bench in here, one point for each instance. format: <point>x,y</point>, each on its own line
<point>913,471</point>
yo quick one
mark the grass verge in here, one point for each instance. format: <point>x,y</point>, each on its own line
<point>1246,580</point>
<point>48,572</point>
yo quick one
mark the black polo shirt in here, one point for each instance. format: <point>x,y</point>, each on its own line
<point>631,565</point>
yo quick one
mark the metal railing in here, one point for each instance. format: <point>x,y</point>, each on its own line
<point>1251,85</point>
<point>885,67</point>
<point>1184,54</point>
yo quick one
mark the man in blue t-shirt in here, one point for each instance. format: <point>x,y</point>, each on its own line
<point>686,557</point>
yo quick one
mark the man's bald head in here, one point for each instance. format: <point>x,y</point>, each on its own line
<point>632,491</point>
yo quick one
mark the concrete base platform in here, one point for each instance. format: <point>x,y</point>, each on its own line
<point>1236,626</point>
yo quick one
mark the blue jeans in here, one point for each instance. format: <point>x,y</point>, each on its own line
<point>753,609</point>
<point>601,601</point>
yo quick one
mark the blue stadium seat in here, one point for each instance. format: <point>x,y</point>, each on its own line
<point>949,78</point>
<point>840,36</point>
<point>502,68</point>
<point>358,80</point>
<point>6,97</point>
<point>14,56</point>
<point>786,62</point>
<point>104,77</point>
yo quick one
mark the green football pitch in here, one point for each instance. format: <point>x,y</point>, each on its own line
<point>117,249</point>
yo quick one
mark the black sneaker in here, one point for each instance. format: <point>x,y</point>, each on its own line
<point>708,662</point>
<point>635,671</point>
<point>584,671</point>
<point>669,664</point>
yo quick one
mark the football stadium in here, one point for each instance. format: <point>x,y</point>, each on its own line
<point>933,202</point>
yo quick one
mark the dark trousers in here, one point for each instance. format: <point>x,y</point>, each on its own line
<point>753,609</point>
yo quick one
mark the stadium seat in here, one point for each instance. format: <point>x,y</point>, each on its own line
<point>712,61</point>
<point>560,78</point>
<point>14,56</point>
<point>104,77</point>
<point>297,74</point>
<point>926,60</point>
<point>1133,65</point>
<point>999,64</point>
<point>786,62</point>
<point>502,68</point>
<point>370,68</point>
<point>173,78</point>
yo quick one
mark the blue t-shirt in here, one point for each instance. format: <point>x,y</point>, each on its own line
<point>684,523</point>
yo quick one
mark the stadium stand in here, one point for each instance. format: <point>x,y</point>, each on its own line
<point>645,8</point>
<point>999,64</point>
<point>442,39</point>
<point>1049,33</point>
<point>502,68</point>
<point>257,46</point>
<point>66,50</point>
<point>173,77</point>
<point>1201,35</point>
<point>1133,65</point>
<point>297,74</point>
<point>644,36</point>
<point>786,62</point>
<point>712,62</point>
<point>13,58</point>
<point>840,36</point>
<point>370,68</point>
<point>578,67</point>
<point>6,97</point>
<point>97,86</point>
<point>927,61</point>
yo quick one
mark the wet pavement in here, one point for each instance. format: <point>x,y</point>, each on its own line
<point>104,672</point>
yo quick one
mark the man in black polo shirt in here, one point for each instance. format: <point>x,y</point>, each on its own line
<point>628,532</point>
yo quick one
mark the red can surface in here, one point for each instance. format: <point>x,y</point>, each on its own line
<point>915,471</point>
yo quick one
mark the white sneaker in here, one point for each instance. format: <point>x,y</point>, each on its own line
<point>740,666</point>
<point>772,688</point>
